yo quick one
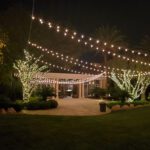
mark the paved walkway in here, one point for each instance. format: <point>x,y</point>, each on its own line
<point>72,107</point>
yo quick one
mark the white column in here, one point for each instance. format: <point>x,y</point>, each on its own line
<point>87,89</point>
<point>79,90</point>
<point>57,89</point>
<point>83,90</point>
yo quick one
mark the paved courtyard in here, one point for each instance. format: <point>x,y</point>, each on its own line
<point>72,107</point>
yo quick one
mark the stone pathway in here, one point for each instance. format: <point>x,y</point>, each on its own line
<point>72,107</point>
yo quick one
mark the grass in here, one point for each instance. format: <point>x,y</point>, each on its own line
<point>125,130</point>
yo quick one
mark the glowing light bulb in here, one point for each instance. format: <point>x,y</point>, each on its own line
<point>66,30</point>
<point>85,43</point>
<point>58,30</point>
<point>145,54</point>
<point>90,39</point>
<point>79,40</point>
<point>112,46</point>
<point>97,41</point>
<point>50,26</point>
<point>58,27</point>
<point>65,34</point>
<point>82,36</point>
<point>105,43</point>
<point>41,21</point>
<point>33,17</point>
<point>74,33</point>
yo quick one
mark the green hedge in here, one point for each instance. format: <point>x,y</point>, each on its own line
<point>113,103</point>
<point>41,105</point>
<point>136,103</point>
<point>32,105</point>
<point>16,106</point>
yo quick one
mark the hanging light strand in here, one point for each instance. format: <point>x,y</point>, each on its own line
<point>81,39</point>
<point>75,61</point>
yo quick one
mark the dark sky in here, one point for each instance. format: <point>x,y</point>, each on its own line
<point>132,17</point>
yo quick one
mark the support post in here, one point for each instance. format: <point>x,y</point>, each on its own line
<point>57,89</point>
<point>83,94</point>
<point>79,90</point>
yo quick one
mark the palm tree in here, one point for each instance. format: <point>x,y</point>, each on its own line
<point>112,36</point>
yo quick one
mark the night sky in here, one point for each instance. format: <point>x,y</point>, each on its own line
<point>131,17</point>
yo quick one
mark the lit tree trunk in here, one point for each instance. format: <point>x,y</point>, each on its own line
<point>27,70</point>
<point>124,82</point>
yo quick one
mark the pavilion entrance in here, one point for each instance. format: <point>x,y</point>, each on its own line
<point>68,85</point>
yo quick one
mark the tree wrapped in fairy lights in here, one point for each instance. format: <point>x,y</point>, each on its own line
<point>27,70</point>
<point>134,84</point>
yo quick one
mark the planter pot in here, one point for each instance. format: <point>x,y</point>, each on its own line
<point>102,107</point>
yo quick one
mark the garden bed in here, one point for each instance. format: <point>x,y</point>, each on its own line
<point>16,107</point>
<point>118,105</point>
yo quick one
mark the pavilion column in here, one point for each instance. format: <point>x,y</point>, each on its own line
<point>79,90</point>
<point>87,89</point>
<point>101,83</point>
<point>57,89</point>
<point>83,90</point>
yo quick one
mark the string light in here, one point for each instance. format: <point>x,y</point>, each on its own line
<point>112,46</point>
<point>76,61</point>
<point>91,39</point>
<point>71,59</point>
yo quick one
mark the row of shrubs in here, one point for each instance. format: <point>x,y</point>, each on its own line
<point>135,103</point>
<point>32,105</point>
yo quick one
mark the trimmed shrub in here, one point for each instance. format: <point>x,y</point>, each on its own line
<point>43,92</point>
<point>98,92</point>
<point>54,103</point>
<point>136,103</point>
<point>16,106</point>
<point>113,103</point>
<point>41,105</point>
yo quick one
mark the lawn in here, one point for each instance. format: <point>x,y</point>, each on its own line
<point>125,130</point>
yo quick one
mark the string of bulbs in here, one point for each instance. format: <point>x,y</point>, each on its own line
<point>81,39</point>
<point>75,61</point>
